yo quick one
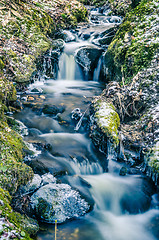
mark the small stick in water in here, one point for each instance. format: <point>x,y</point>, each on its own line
<point>55,229</point>
<point>80,121</point>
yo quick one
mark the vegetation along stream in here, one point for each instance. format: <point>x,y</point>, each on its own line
<point>94,186</point>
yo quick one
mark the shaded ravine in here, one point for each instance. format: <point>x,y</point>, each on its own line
<point>124,207</point>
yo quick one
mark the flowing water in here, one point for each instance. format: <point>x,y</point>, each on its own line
<point>123,206</point>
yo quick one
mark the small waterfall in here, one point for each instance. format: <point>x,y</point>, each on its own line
<point>44,66</point>
<point>66,67</point>
<point>96,74</point>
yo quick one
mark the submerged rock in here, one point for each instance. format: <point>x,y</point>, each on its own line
<point>123,171</point>
<point>52,109</point>
<point>58,202</point>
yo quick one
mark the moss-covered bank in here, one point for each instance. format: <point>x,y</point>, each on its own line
<point>135,44</point>
<point>27,29</point>
<point>13,172</point>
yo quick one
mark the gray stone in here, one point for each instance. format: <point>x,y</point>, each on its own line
<point>88,57</point>
<point>58,202</point>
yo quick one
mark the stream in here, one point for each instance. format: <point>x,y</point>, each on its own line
<point>125,207</point>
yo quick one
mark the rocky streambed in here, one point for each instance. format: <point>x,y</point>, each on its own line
<point>89,167</point>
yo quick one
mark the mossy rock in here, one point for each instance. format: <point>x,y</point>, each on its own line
<point>13,221</point>
<point>107,120</point>
<point>104,124</point>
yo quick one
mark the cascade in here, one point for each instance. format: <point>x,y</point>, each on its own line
<point>66,67</point>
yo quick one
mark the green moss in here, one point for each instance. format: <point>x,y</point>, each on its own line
<point>1,64</point>
<point>13,172</point>
<point>134,44</point>
<point>107,120</point>
<point>153,160</point>
<point>7,91</point>
<point>16,221</point>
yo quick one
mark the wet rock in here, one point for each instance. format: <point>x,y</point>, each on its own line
<point>52,109</point>
<point>81,185</point>
<point>115,19</point>
<point>123,171</point>
<point>36,90</point>
<point>30,225</point>
<point>142,200</point>
<point>153,226</point>
<point>105,40</point>
<point>87,57</point>
<point>155,201</point>
<point>134,171</point>
<point>21,204</point>
<point>86,36</point>
<point>58,44</point>
<point>17,104</point>
<point>105,37</point>
<point>58,202</point>
<point>56,166</point>
<point>38,167</point>
<point>34,132</point>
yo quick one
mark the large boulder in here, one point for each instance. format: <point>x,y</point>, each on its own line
<point>87,57</point>
<point>58,202</point>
